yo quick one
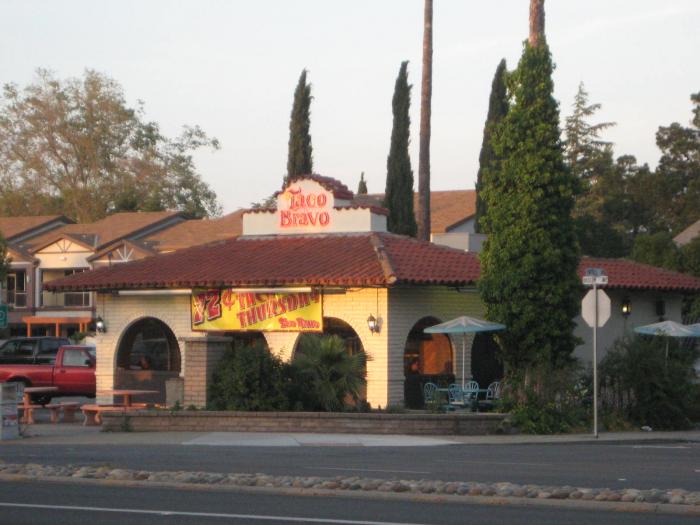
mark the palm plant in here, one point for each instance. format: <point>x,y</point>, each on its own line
<point>328,372</point>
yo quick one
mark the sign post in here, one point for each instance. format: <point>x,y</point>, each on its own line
<point>595,310</point>
<point>3,316</point>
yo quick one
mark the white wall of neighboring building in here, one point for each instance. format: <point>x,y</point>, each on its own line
<point>470,242</point>
<point>464,227</point>
<point>643,311</point>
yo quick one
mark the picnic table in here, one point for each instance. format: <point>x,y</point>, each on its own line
<point>28,407</point>
<point>93,413</point>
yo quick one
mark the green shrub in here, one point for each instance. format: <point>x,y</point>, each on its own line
<point>640,384</point>
<point>250,378</point>
<point>325,375</point>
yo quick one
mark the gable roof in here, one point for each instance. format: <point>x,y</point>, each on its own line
<point>17,226</point>
<point>195,232</point>
<point>99,234</point>
<point>364,259</point>
<point>623,273</point>
<point>448,208</point>
<point>687,235</point>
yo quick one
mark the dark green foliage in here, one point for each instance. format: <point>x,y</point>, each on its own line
<point>250,378</point>
<point>529,263</point>
<point>638,382</point>
<point>329,376</point>
<point>598,238</point>
<point>498,108</point>
<point>398,197</point>
<point>679,171</point>
<point>690,255</point>
<point>362,186</point>
<point>300,154</point>
<point>657,249</point>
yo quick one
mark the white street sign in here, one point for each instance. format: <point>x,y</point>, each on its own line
<point>588,308</point>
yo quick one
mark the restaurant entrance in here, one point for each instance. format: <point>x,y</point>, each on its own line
<point>427,358</point>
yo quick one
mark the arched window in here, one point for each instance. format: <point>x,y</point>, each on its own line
<point>148,355</point>
<point>149,344</point>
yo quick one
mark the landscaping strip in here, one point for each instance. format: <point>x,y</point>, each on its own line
<point>648,500</point>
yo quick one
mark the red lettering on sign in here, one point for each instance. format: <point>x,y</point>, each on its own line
<point>199,301</point>
<point>213,305</point>
<point>304,209</point>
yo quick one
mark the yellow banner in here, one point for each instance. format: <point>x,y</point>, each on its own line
<point>231,310</point>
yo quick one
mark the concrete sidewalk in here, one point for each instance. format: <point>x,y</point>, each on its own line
<point>77,434</point>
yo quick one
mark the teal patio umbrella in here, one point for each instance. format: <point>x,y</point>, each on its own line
<point>669,329</point>
<point>464,325</point>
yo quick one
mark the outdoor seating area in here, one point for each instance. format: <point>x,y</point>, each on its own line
<point>93,412</point>
<point>468,396</point>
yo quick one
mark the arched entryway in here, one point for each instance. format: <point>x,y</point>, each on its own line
<point>147,356</point>
<point>426,358</point>
<point>486,367</point>
<point>335,326</point>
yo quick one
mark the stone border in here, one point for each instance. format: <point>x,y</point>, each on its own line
<point>466,424</point>
<point>675,501</point>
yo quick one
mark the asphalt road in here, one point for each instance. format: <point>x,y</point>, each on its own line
<point>39,503</point>
<point>643,466</point>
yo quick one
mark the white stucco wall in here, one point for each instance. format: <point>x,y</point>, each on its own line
<point>643,312</point>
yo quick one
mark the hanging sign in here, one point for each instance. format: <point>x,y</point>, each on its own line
<point>230,310</point>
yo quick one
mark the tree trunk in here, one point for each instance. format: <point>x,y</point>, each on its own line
<point>424,146</point>
<point>536,22</point>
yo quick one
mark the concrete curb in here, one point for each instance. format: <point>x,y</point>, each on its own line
<point>641,507</point>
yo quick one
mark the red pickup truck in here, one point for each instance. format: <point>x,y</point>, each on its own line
<point>71,368</point>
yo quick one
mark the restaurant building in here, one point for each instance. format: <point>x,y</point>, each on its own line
<point>319,262</point>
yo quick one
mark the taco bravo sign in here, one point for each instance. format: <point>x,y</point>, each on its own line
<point>230,310</point>
<point>299,207</point>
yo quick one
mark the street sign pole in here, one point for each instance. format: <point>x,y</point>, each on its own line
<point>595,277</point>
<point>595,364</point>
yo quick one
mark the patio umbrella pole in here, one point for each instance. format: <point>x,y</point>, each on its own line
<point>464,337</point>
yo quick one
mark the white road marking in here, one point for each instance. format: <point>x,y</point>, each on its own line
<point>659,446</point>
<point>621,479</point>
<point>476,462</point>
<point>152,512</point>
<point>371,470</point>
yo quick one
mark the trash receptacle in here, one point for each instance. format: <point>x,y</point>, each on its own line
<point>9,421</point>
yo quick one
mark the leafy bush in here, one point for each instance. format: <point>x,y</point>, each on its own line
<point>326,376</point>
<point>639,383</point>
<point>250,378</point>
<point>557,401</point>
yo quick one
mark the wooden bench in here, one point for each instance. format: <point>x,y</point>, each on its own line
<point>69,410</point>
<point>93,412</point>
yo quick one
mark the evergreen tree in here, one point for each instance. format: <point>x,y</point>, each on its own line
<point>362,186</point>
<point>299,159</point>
<point>398,196</point>
<point>529,264</point>
<point>498,108</point>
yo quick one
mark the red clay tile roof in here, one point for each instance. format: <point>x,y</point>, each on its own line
<point>337,188</point>
<point>14,226</point>
<point>105,231</point>
<point>447,208</point>
<point>366,259</point>
<point>633,275</point>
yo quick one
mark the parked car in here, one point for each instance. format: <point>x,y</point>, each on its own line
<point>71,368</point>
<point>31,350</point>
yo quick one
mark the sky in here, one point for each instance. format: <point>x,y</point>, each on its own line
<point>231,66</point>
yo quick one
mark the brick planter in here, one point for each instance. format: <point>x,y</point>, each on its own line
<point>313,422</point>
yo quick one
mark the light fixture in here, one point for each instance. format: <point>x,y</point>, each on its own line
<point>373,324</point>
<point>626,306</point>
<point>100,325</point>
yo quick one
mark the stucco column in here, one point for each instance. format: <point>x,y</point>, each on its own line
<point>201,356</point>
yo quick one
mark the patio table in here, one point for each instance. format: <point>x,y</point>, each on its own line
<point>127,394</point>
<point>27,406</point>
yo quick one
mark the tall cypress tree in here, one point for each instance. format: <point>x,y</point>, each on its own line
<point>498,108</point>
<point>529,264</point>
<point>398,196</point>
<point>299,158</point>
<point>362,185</point>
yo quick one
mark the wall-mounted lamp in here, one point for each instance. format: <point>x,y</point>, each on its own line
<point>100,325</point>
<point>626,306</point>
<point>373,324</point>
